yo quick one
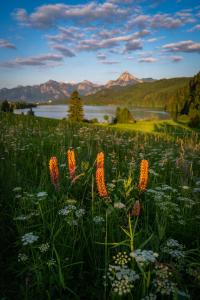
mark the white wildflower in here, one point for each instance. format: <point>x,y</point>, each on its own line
<point>29,238</point>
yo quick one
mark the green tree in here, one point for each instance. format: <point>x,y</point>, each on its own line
<point>106,118</point>
<point>75,108</point>
<point>6,106</point>
<point>123,115</point>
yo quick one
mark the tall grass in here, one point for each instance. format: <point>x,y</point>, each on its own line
<point>71,243</point>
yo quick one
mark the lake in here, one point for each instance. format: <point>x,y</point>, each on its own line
<point>91,112</point>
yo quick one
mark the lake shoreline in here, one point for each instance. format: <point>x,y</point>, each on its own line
<point>95,112</point>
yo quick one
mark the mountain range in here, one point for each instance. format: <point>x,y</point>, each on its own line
<point>54,90</point>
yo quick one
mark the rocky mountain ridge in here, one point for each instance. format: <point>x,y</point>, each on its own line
<point>54,90</point>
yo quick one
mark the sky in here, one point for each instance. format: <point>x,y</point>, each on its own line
<point>72,41</point>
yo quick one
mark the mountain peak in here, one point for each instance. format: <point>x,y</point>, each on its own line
<point>124,79</point>
<point>126,76</point>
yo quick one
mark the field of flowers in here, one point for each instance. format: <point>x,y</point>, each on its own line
<point>92,212</point>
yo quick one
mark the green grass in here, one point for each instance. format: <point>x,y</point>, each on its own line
<point>72,256</point>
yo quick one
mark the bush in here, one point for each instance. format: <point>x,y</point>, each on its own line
<point>194,120</point>
<point>123,115</point>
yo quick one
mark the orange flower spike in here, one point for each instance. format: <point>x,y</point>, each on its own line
<point>144,165</point>
<point>54,173</point>
<point>100,175</point>
<point>71,163</point>
<point>136,209</point>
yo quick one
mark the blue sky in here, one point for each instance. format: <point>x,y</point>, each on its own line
<point>71,41</point>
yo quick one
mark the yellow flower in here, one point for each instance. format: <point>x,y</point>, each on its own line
<point>54,173</point>
<point>143,174</point>
<point>100,175</point>
<point>71,163</point>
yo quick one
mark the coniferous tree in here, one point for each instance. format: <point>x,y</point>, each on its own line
<point>75,108</point>
<point>6,106</point>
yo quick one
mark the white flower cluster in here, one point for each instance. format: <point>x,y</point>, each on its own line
<point>162,282</point>
<point>44,247</point>
<point>67,210</point>
<point>29,238</point>
<point>72,213</point>
<point>80,213</point>
<point>122,279</point>
<point>144,257</point>
<point>22,257</point>
<point>42,195</point>
<point>98,220</point>
<point>27,217</point>
<point>150,297</point>
<point>121,258</point>
<point>51,262</point>
<point>174,249</point>
<point>119,205</point>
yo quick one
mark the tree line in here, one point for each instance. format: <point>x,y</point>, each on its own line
<point>186,101</point>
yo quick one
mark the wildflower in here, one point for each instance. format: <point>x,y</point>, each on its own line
<point>67,210</point>
<point>44,247</point>
<point>162,282</point>
<point>54,173</point>
<point>29,238</point>
<point>119,205</point>
<point>121,258</point>
<point>42,194</point>
<point>98,220</point>
<point>122,279</point>
<point>22,257</point>
<point>143,174</point>
<point>51,262</point>
<point>80,213</point>
<point>136,209</point>
<point>151,296</point>
<point>17,189</point>
<point>174,249</point>
<point>71,163</point>
<point>100,175</point>
<point>144,256</point>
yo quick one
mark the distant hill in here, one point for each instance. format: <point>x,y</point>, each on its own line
<point>50,90</point>
<point>55,91</point>
<point>145,94</point>
<point>125,90</point>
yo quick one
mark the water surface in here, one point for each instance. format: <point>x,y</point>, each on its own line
<point>91,112</point>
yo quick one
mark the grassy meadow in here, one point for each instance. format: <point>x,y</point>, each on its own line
<point>71,243</point>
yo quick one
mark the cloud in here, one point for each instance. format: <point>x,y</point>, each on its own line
<point>147,59</point>
<point>131,40</point>
<point>69,34</point>
<point>133,45</point>
<point>194,28</point>
<point>165,21</point>
<point>152,40</point>
<point>6,44</point>
<point>183,46</point>
<point>176,58</point>
<point>64,50</point>
<point>40,60</point>
<point>110,62</point>
<point>161,20</point>
<point>141,21</point>
<point>101,56</point>
<point>45,16</point>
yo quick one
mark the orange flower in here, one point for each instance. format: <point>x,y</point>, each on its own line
<point>100,175</point>
<point>71,163</point>
<point>54,173</point>
<point>143,174</point>
<point>136,209</point>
